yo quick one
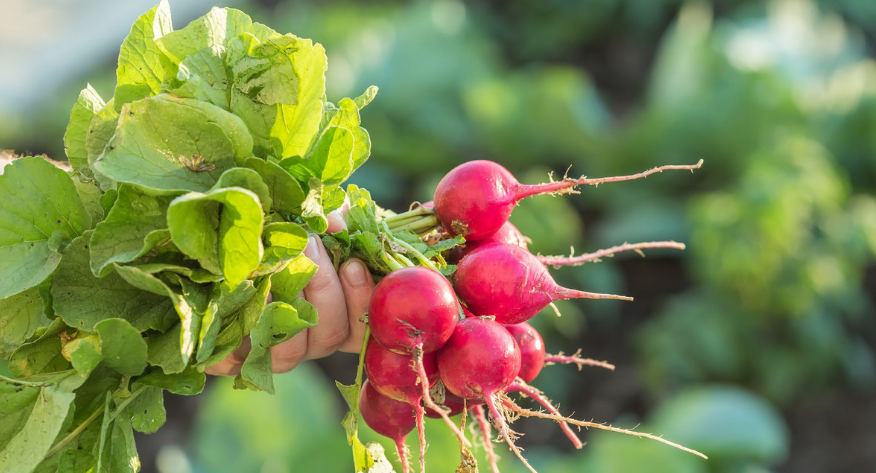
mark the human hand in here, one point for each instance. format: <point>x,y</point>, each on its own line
<point>340,298</point>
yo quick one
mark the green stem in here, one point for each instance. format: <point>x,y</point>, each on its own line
<point>418,225</point>
<point>94,415</point>
<point>393,264</point>
<point>359,370</point>
<point>419,256</point>
<point>403,260</point>
<point>410,214</point>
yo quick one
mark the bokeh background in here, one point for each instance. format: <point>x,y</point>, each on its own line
<point>755,345</point>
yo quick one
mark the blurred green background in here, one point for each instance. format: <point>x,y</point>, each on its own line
<point>755,345</point>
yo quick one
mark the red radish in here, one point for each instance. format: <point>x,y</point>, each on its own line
<point>412,303</point>
<point>478,362</point>
<point>509,282</point>
<point>507,233</point>
<point>396,377</point>
<point>531,350</point>
<point>388,417</point>
<point>475,198</point>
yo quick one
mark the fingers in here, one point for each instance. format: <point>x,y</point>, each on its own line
<point>358,286</point>
<point>230,366</point>
<point>337,220</point>
<point>326,294</point>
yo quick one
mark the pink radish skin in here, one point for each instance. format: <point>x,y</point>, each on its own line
<point>509,282</point>
<point>532,350</point>
<point>388,417</point>
<point>412,303</point>
<point>478,362</point>
<point>394,375</point>
<point>480,359</point>
<point>475,198</point>
<point>397,377</point>
<point>508,233</point>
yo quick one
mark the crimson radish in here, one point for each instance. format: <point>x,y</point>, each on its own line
<point>507,233</point>
<point>396,377</point>
<point>531,350</point>
<point>475,198</point>
<point>413,303</point>
<point>509,282</point>
<point>388,417</point>
<point>478,362</point>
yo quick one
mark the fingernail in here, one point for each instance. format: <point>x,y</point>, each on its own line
<point>355,273</point>
<point>312,248</point>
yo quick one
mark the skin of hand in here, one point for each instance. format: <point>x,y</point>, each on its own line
<point>340,298</point>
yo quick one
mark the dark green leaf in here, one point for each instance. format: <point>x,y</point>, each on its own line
<point>107,297</point>
<point>20,316</point>
<point>147,411</point>
<point>122,346</point>
<point>186,382</point>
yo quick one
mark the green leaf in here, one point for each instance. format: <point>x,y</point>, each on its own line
<point>725,423</point>
<point>281,111</point>
<point>278,322</point>
<point>166,349</point>
<point>122,346</point>
<point>287,284</point>
<point>204,77</point>
<point>41,356</point>
<point>90,194</point>
<point>284,241</point>
<point>30,440</point>
<point>132,228</point>
<point>286,192</point>
<point>147,411</point>
<point>116,452</point>
<point>366,98</point>
<point>216,28</point>
<point>39,200</point>
<point>188,382</point>
<point>88,104</point>
<point>312,211</point>
<point>221,229</point>
<point>20,316</point>
<point>106,297</point>
<point>249,180</point>
<point>172,144</point>
<point>84,353</point>
<point>238,321</point>
<point>142,66</point>
<point>103,126</point>
<point>347,116</point>
<point>331,161</point>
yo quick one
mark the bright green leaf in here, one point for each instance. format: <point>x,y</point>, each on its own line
<point>249,180</point>
<point>172,144</point>
<point>142,66</point>
<point>287,284</point>
<point>131,229</point>
<point>38,200</point>
<point>221,229</point>
<point>286,192</point>
<point>216,28</point>
<point>88,104</point>
<point>84,353</point>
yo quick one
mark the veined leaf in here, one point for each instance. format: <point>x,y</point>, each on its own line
<point>221,229</point>
<point>117,452</point>
<point>204,77</point>
<point>131,229</point>
<point>172,144</point>
<point>187,382</point>
<point>216,28</point>
<point>142,66</point>
<point>20,316</point>
<point>278,322</point>
<point>106,297</point>
<point>88,104</point>
<point>28,437</point>
<point>286,192</point>
<point>122,347</point>
<point>283,115</point>
<point>147,411</point>
<point>39,202</point>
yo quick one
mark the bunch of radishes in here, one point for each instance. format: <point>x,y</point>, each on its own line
<point>469,331</point>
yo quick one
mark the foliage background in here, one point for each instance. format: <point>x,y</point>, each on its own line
<point>756,345</point>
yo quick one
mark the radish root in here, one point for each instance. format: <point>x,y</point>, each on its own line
<point>577,360</point>
<point>558,261</point>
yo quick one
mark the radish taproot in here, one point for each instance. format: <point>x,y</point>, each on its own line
<point>509,282</point>
<point>476,198</point>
